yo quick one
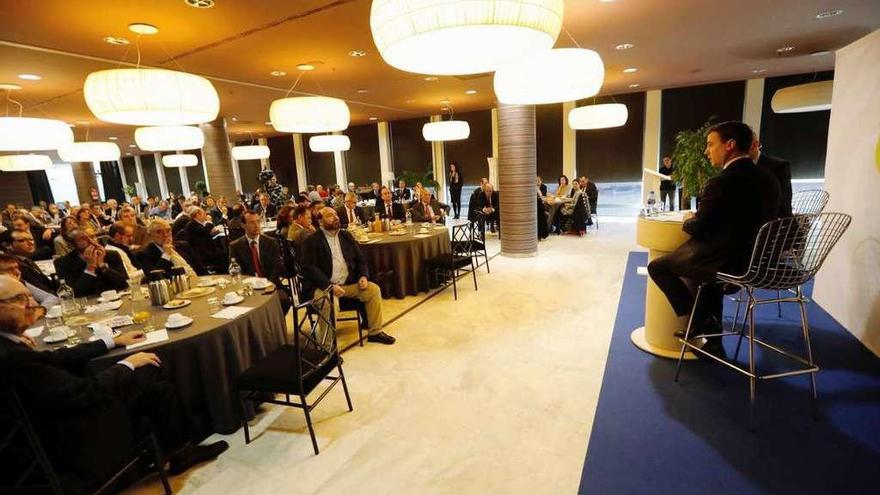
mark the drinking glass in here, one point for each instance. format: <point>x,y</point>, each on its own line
<point>213,305</point>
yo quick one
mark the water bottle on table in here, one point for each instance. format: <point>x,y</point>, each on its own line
<point>235,274</point>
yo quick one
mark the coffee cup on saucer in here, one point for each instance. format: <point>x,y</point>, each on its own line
<point>176,318</point>
<point>101,330</point>
<point>58,333</point>
<point>54,312</point>
<point>109,295</point>
<point>230,297</point>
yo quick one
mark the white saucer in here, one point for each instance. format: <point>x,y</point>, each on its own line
<point>52,340</point>
<point>207,283</point>
<point>102,300</point>
<point>186,302</point>
<point>234,301</point>
<point>182,323</point>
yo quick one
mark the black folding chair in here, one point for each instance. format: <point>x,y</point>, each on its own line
<point>451,264</point>
<point>297,369</point>
<point>477,246</point>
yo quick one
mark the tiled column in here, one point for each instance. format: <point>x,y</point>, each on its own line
<point>220,172</point>
<point>84,176</point>
<point>517,168</point>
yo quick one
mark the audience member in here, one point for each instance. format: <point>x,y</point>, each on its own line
<point>161,210</point>
<point>283,220</point>
<point>779,169</point>
<point>259,255</point>
<point>22,246</point>
<point>402,194</point>
<point>349,212</point>
<point>427,209</point>
<point>473,202</point>
<point>139,236</point>
<point>44,247</point>
<point>265,209</point>
<point>160,253</point>
<point>62,242</point>
<point>563,190</point>
<point>542,188</point>
<point>9,266</point>
<point>488,204</point>
<point>667,187</point>
<point>387,207</point>
<point>120,243</point>
<point>182,220</point>
<point>200,235</point>
<point>90,269</point>
<point>301,227</point>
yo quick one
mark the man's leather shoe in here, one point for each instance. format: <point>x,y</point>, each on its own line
<point>381,338</point>
<point>714,348</point>
<point>191,455</point>
<point>705,327</point>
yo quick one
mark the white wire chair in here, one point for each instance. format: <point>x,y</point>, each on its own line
<point>809,202</point>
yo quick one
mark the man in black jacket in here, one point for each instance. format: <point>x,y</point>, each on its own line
<point>86,422</point>
<point>350,212</point>
<point>386,207</point>
<point>487,202</point>
<point>159,253</point>
<point>259,255</point>
<point>22,246</point>
<point>331,257</point>
<point>780,169</point>
<point>200,234</point>
<point>733,207</point>
<point>90,269</point>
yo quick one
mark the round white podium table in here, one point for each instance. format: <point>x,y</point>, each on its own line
<point>661,235</point>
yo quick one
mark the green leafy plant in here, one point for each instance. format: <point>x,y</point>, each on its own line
<point>130,190</point>
<point>201,188</point>
<point>692,168</point>
<point>426,178</point>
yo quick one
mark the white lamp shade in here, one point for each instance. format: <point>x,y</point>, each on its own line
<point>89,151</point>
<point>169,138</point>
<point>448,37</point>
<point>151,97</point>
<point>250,152</point>
<point>810,97</point>
<point>554,76</point>
<point>184,160</point>
<point>329,142</point>
<point>24,163</point>
<point>309,114</point>
<point>446,130</point>
<point>598,116</point>
<point>29,134</point>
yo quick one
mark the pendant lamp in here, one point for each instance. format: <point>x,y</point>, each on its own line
<point>254,152</point>
<point>446,130</point>
<point>169,138</point>
<point>329,142</point>
<point>178,160</point>
<point>309,114</point>
<point>553,76</point>
<point>24,163</point>
<point>810,97</point>
<point>30,134</point>
<point>89,151</point>
<point>598,116</point>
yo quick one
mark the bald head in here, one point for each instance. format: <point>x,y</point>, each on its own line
<point>18,309</point>
<point>329,219</point>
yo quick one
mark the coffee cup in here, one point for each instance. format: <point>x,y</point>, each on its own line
<point>58,333</point>
<point>102,330</point>
<point>109,295</point>
<point>54,312</point>
<point>259,283</point>
<point>230,297</point>
<point>176,318</point>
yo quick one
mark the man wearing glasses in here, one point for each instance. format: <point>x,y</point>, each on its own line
<point>90,269</point>
<point>9,266</point>
<point>23,247</point>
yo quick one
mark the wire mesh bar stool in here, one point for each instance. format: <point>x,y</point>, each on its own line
<point>787,253</point>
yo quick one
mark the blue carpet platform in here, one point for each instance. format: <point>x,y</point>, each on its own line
<point>654,436</point>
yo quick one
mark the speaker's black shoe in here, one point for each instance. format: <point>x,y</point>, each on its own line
<point>191,455</point>
<point>381,338</point>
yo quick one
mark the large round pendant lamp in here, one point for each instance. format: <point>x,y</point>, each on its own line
<point>449,37</point>
<point>446,130</point>
<point>24,163</point>
<point>180,160</point>
<point>29,134</point>
<point>810,97</point>
<point>169,138</point>
<point>309,114</point>
<point>89,151</point>
<point>329,142</point>
<point>554,76</point>
<point>254,152</point>
<point>151,97</point>
<point>598,116</point>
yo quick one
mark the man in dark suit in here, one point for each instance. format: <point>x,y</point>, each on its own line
<point>86,422</point>
<point>780,169</point>
<point>200,235</point>
<point>22,246</point>
<point>180,223</point>
<point>90,269</point>
<point>44,247</point>
<point>733,207</point>
<point>331,257</point>
<point>667,187</point>
<point>259,255</point>
<point>265,209</point>
<point>487,202</point>
<point>350,212</point>
<point>402,194</point>
<point>473,202</point>
<point>428,209</point>
<point>159,253</point>
<point>387,208</point>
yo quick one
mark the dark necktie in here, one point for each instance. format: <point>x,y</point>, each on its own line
<point>388,210</point>
<point>255,257</point>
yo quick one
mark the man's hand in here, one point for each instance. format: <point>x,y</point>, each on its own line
<point>89,253</point>
<point>362,283</point>
<point>338,291</point>
<point>129,338</point>
<point>47,234</point>
<point>100,254</point>
<point>142,359</point>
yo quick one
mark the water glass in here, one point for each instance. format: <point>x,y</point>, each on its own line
<point>213,305</point>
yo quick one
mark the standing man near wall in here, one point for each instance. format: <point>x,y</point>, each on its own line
<point>667,187</point>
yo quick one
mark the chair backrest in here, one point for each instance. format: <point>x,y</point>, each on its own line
<point>315,341</point>
<point>479,229</point>
<point>26,465</point>
<point>289,265</point>
<point>790,251</point>
<point>809,202</point>
<point>462,238</point>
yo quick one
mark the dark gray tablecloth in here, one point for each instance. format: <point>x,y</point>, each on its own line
<point>203,359</point>
<point>403,257</point>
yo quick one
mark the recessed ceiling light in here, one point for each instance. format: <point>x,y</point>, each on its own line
<point>200,4</point>
<point>116,40</point>
<point>128,154</point>
<point>785,49</point>
<point>143,28</point>
<point>278,73</point>
<point>82,122</point>
<point>634,85</point>
<point>471,92</point>
<point>624,46</point>
<point>363,91</point>
<point>444,101</point>
<point>357,53</point>
<point>759,71</point>
<point>235,119</point>
<point>828,13</point>
<point>132,146</point>
<point>431,78</point>
<point>305,67</point>
<point>410,101</point>
<point>29,77</point>
<point>267,123</point>
<point>9,87</point>
<point>112,138</point>
<point>630,70</point>
<point>373,118</point>
<point>820,53</point>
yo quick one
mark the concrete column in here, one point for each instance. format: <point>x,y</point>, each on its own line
<point>493,164</point>
<point>221,171</point>
<point>84,177</point>
<point>651,138</point>
<point>385,162</point>
<point>517,168</point>
<point>299,157</point>
<point>184,179</point>
<point>141,181</point>
<point>438,153</point>
<point>123,178</point>
<point>339,161</point>
<point>160,172</point>
<point>569,143</point>
<point>753,104</point>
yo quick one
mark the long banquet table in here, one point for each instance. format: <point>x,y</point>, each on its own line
<point>402,257</point>
<point>203,359</point>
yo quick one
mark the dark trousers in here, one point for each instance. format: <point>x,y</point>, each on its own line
<point>669,273</point>
<point>156,400</point>
<point>455,198</point>
<point>670,195</point>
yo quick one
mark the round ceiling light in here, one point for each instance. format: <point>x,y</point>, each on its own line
<point>446,130</point>
<point>563,74</point>
<point>89,151</point>
<point>9,87</point>
<point>309,114</point>
<point>116,40</point>
<point>24,163</point>
<point>357,53</point>
<point>810,97</point>
<point>169,138</point>
<point>255,152</point>
<point>278,73</point>
<point>151,97</point>
<point>143,28</point>
<point>29,77</point>
<point>624,46</point>
<point>200,4</point>
<point>180,160</point>
<point>305,67</point>
<point>451,37</point>
<point>329,142</point>
<point>598,116</point>
<point>29,134</point>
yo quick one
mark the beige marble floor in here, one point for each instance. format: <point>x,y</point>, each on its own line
<point>493,393</point>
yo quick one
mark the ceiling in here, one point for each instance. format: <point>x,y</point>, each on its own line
<point>238,43</point>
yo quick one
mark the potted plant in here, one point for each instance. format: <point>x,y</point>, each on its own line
<point>692,168</point>
<point>130,190</point>
<point>201,188</point>
<point>426,178</point>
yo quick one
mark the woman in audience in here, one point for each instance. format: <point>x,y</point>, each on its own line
<point>55,215</point>
<point>63,243</point>
<point>564,187</point>
<point>283,220</point>
<point>84,219</point>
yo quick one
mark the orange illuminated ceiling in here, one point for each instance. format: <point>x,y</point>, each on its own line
<point>238,44</point>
